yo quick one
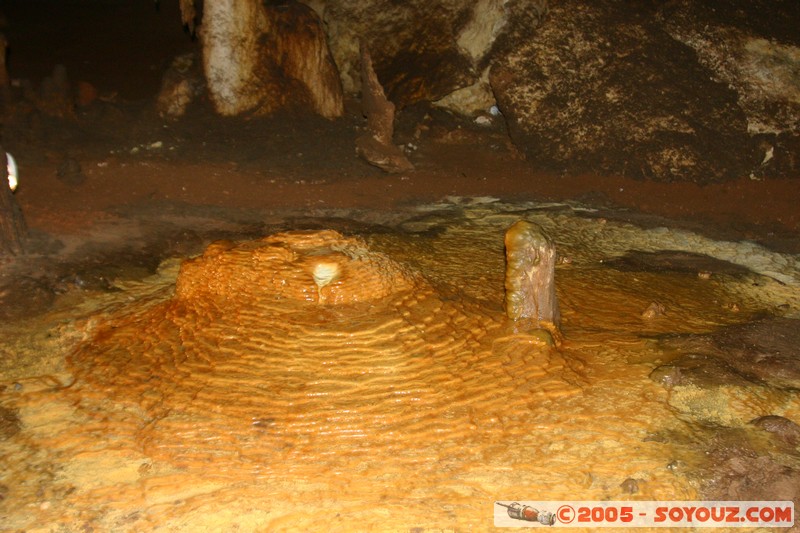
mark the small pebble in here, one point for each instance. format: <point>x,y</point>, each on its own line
<point>781,427</point>
<point>674,465</point>
<point>630,486</point>
<point>654,310</point>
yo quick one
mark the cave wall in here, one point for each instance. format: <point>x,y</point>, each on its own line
<point>260,57</point>
<point>602,87</point>
<point>422,50</point>
<point>753,47</point>
<point>669,91</point>
<point>666,91</point>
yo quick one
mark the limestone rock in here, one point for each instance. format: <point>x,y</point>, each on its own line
<point>764,351</point>
<point>473,100</point>
<point>86,94</point>
<point>261,57</point>
<point>755,49</point>
<point>747,476</point>
<point>414,45</point>
<point>70,173</point>
<point>601,87</point>
<point>782,428</point>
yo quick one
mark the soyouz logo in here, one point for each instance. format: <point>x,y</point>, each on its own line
<point>725,514</point>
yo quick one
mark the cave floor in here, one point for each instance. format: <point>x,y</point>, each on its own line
<point>132,159</point>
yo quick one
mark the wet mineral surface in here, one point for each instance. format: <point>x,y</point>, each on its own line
<point>327,380</point>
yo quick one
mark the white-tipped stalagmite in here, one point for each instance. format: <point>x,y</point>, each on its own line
<point>12,224</point>
<point>324,273</point>
<point>11,169</point>
<point>530,276</point>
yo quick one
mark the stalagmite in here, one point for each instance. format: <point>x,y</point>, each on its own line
<point>376,146</point>
<point>181,85</point>
<point>55,95</point>
<point>12,223</point>
<point>530,276</point>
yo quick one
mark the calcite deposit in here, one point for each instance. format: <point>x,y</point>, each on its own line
<point>321,267</point>
<point>309,370</point>
<point>530,274</point>
<point>287,349</point>
<point>259,58</point>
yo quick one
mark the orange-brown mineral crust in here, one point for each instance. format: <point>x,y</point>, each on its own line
<point>303,351</point>
<point>312,266</point>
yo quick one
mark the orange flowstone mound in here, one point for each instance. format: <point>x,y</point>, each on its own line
<point>314,266</point>
<point>306,354</point>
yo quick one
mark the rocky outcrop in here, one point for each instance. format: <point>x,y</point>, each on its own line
<point>422,51</point>
<point>666,91</point>
<point>600,87</point>
<point>260,57</point>
<point>754,47</point>
<point>55,95</point>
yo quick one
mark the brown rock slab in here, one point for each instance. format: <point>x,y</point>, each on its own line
<point>69,172</point>
<point>766,351</point>
<point>181,85</point>
<point>756,51</point>
<point>55,95</point>
<point>783,428</point>
<point>601,87</point>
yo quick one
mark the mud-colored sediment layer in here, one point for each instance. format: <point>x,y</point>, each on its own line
<point>309,381</point>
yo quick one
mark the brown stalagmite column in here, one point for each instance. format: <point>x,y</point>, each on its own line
<point>12,223</point>
<point>530,276</point>
<point>376,146</point>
